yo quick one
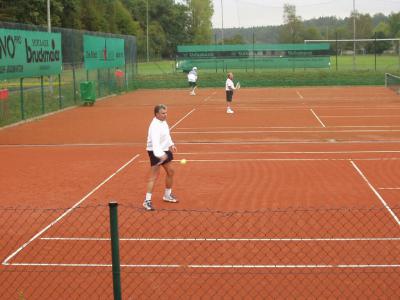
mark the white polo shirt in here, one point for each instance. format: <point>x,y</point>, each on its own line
<point>229,85</point>
<point>192,76</point>
<point>158,138</point>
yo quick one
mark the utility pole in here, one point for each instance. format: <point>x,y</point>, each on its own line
<point>147,29</point>
<point>222,21</point>
<point>48,17</point>
<point>354,34</point>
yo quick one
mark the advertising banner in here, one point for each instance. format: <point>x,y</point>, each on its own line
<point>102,52</point>
<point>29,53</point>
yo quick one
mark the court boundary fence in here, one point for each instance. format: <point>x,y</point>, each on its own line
<point>103,252</point>
<point>26,98</point>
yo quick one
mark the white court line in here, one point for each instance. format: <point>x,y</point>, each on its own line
<point>376,192</point>
<point>394,188</point>
<point>6,261</point>
<point>300,95</point>
<point>271,266</point>
<point>181,119</point>
<point>215,143</point>
<point>236,160</point>
<point>319,120</point>
<point>355,116</point>
<point>71,145</point>
<point>290,152</point>
<point>225,239</point>
<point>209,97</point>
<point>285,127</point>
<point>290,131</point>
<point>289,142</point>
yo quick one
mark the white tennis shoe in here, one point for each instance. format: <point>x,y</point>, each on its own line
<point>147,205</point>
<point>229,111</point>
<point>170,198</point>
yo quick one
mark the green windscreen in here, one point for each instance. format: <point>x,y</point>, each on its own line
<point>253,56</point>
<point>392,82</point>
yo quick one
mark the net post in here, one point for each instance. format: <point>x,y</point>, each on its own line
<point>116,268</point>
<point>386,80</point>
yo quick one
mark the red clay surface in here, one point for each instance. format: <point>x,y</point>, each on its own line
<point>300,163</point>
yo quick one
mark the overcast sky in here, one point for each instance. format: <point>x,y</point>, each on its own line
<point>249,13</point>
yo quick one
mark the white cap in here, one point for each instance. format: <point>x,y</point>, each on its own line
<point>194,68</point>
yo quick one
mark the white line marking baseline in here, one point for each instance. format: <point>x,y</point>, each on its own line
<point>290,152</point>
<point>272,266</point>
<point>287,131</point>
<point>394,188</point>
<point>368,239</point>
<point>355,116</point>
<point>236,160</point>
<point>376,192</point>
<point>284,127</point>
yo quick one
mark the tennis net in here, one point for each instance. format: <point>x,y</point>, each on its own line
<point>392,82</point>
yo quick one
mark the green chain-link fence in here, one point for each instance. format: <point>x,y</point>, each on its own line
<point>32,97</point>
<point>180,254</point>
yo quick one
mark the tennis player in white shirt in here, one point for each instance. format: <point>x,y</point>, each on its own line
<point>192,79</point>
<point>229,88</point>
<point>160,148</point>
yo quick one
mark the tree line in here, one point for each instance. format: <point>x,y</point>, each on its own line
<point>164,24</point>
<point>295,30</point>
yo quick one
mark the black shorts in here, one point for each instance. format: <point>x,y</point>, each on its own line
<point>154,160</point>
<point>192,84</point>
<point>229,95</point>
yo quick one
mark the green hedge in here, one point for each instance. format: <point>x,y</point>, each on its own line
<point>266,79</point>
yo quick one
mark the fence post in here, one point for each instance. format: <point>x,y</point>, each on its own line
<point>60,104</point>
<point>116,269</point>
<point>74,80</point>
<point>42,94</point>
<point>21,90</point>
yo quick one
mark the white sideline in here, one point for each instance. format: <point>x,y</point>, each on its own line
<point>319,120</point>
<point>300,95</point>
<point>6,261</point>
<point>376,192</point>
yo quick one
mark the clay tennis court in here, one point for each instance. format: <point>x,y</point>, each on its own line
<point>295,195</point>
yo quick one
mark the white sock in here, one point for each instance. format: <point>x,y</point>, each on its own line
<point>148,196</point>
<point>167,192</point>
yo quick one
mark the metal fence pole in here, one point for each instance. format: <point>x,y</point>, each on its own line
<point>21,89</point>
<point>42,94</point>
<point>116,269</point>
<point>60,104</point>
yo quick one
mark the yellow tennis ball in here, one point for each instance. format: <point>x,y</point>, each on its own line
<point>183,161</point>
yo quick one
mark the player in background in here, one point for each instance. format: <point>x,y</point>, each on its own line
<point>192,79</point>
<point>229,88</point>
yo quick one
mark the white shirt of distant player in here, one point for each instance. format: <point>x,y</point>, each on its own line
<point>192,76</point>
<point>229,86</point>
<point>159,138</point>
